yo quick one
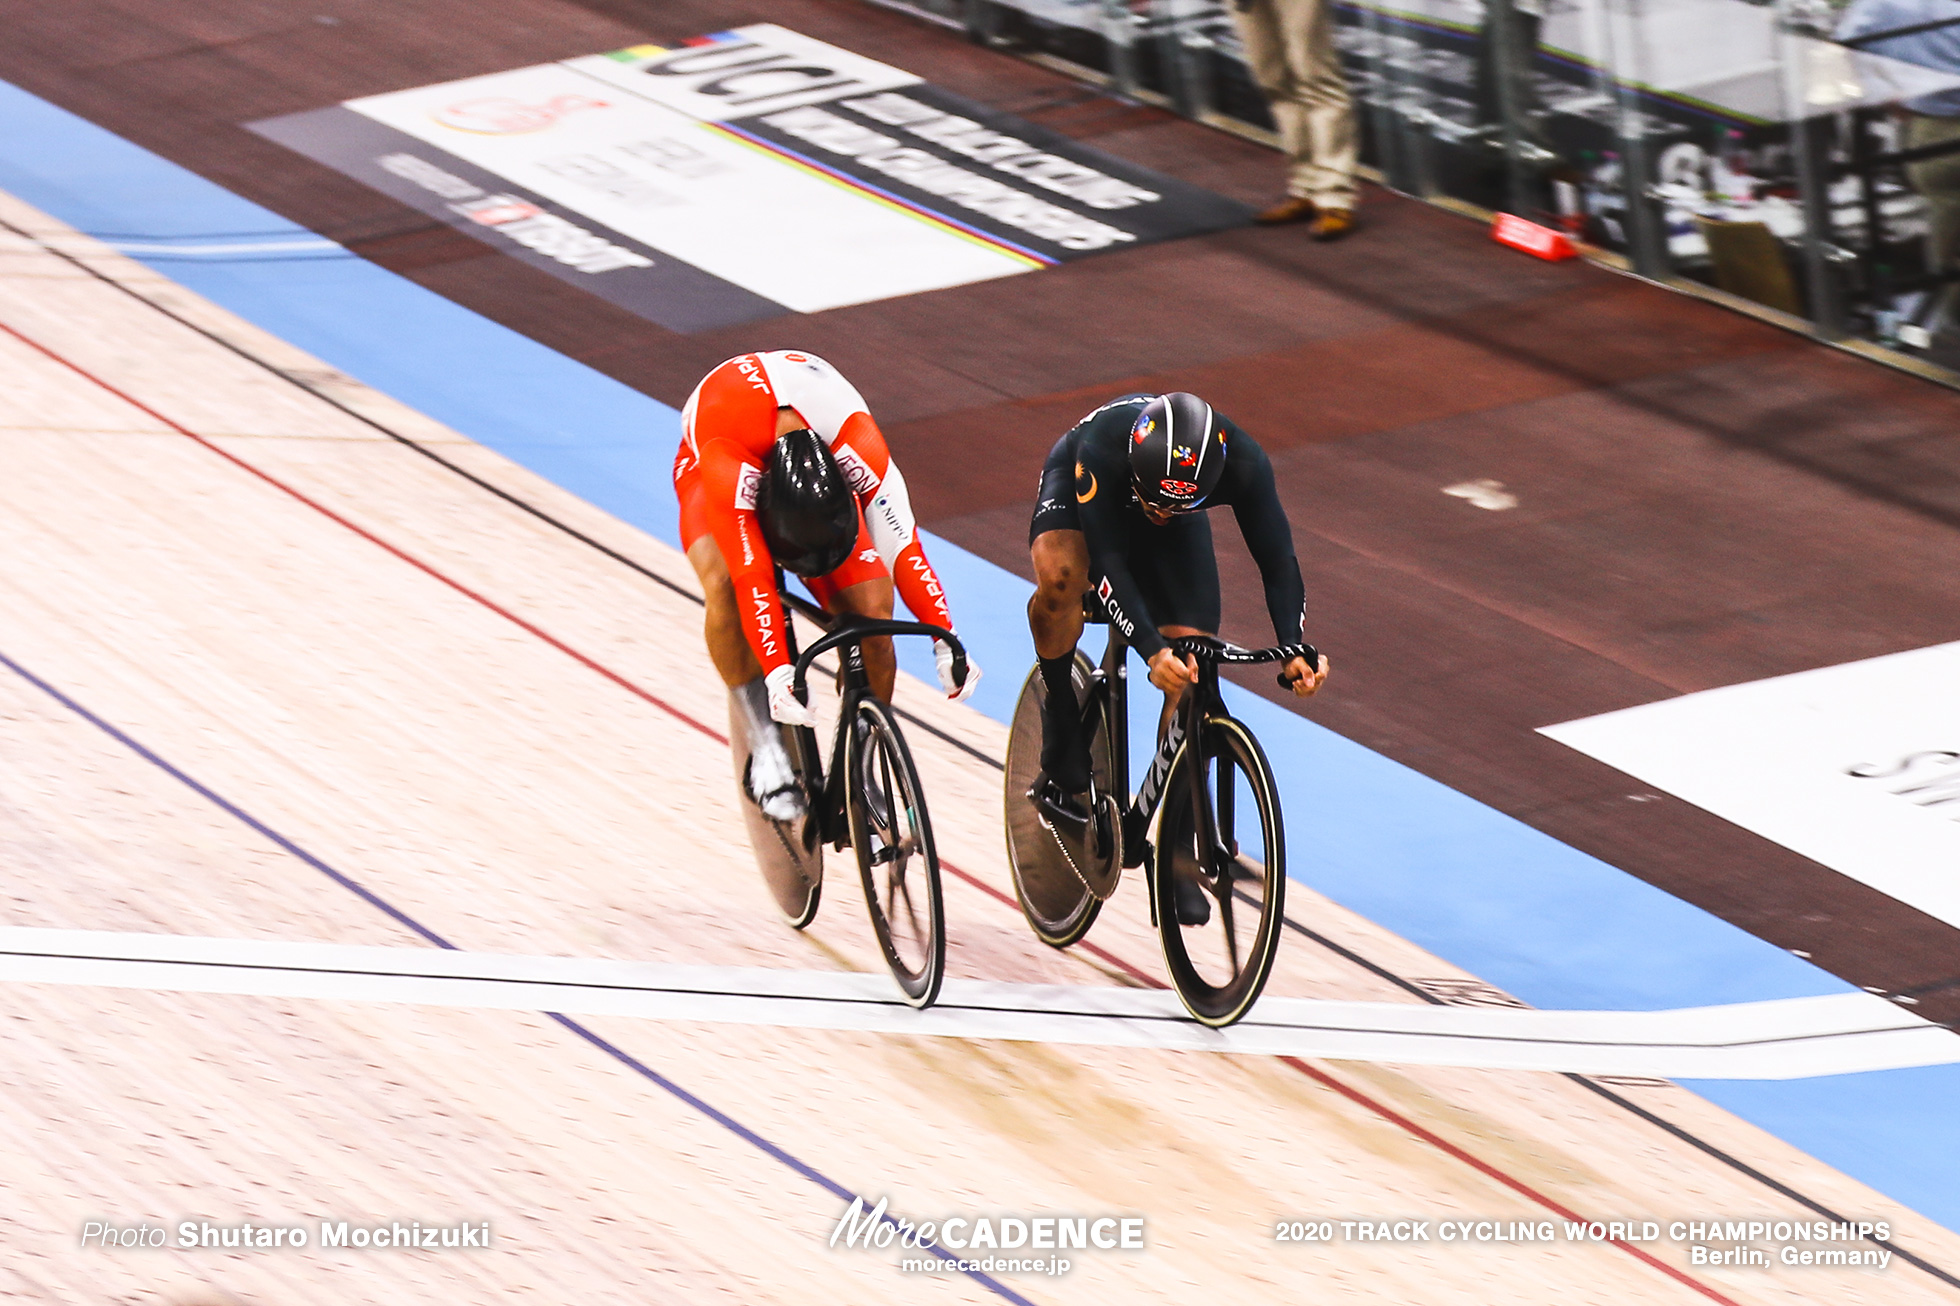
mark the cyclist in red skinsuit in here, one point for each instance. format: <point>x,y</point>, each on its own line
<point>728,428</point>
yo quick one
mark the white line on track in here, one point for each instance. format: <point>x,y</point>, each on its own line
<point>221,250</point>
<point>1788,1038</point>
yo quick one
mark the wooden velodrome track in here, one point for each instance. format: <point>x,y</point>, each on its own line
<point>1705,499</point>
<point>249,639</point>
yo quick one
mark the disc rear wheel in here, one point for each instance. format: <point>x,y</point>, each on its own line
<point>1055,878</point>
<point>788,852</point>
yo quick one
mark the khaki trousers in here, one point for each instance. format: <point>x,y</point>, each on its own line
<point>1289,47</point>
<point>1938,179</point>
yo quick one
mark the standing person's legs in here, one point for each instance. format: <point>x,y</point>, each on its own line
<point>1265,57</point>
<point>1326,108</point>
<point>1938,180</point>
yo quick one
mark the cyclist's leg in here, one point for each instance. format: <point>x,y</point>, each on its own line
<point>1061,573</point>
<point>1177,569</point>
<point>728,646</point>
<point>771,779</point>
<point>863,586</point>
<point>1061,559</point>
<point>1061,567</point>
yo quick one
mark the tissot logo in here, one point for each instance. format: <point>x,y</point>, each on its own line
<point>503,115</point>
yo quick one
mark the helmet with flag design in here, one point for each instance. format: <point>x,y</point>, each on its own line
<point>1177,452</point>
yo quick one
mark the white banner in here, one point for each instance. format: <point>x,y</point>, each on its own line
<point>1854,766</point>
<point>675,183</point>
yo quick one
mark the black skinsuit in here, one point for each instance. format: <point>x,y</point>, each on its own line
<point>1150,575</point>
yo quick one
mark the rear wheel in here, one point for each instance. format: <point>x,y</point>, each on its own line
<point>788,852</point>
<point>893,838</point>
<point>1060,885</point>
<point>1221,854</point>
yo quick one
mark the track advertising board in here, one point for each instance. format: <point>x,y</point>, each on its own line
<point>744,175</point>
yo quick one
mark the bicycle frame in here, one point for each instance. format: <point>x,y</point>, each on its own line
<point>1111,691</point>
<point>1110,695</point>
<point>1216,884</point>
<point>845,632</point>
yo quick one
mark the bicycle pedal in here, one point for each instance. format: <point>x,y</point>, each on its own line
<point>883,854</point>
<point>1055,806</point>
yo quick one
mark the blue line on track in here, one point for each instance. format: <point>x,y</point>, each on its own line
<point>402,918</point>
<point>1489,893</point>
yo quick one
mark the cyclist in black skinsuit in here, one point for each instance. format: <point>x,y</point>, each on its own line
<point>1121,513</point>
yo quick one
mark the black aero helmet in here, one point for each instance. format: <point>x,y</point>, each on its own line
<point>1177,452</point>
<point>808,514</point>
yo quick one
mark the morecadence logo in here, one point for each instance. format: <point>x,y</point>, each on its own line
<point>952,1239</point>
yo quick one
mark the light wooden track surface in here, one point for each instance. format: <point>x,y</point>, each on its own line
<point>512,799</point>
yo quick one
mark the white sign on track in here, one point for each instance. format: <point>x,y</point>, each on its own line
<point>1854,766</point>
<point>745,174</point>
<point>674,182</point>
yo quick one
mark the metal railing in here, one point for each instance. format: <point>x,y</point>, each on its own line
<point>1792,154</point>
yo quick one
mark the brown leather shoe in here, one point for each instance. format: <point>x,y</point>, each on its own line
<point>1291,209</point>
<point>1332,224</point>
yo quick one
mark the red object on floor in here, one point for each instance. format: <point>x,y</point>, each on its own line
<point>1510,229</point>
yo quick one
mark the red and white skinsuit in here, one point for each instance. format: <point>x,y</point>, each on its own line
<point>727,429</point>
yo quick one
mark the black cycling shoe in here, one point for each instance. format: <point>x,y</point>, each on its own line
<point>1193,903</point>
<point>1064,753</point>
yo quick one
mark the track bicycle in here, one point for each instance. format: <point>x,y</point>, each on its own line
<point>869,797</point>
<point>1217,871</point>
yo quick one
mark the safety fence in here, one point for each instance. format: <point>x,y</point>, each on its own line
<point>1803,155</point>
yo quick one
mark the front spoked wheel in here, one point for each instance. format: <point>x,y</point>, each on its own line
<point>893,838</point>
<point>1220,881</point>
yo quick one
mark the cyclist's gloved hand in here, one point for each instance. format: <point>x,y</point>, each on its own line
<point>942,656</point>
<point>783,705</point>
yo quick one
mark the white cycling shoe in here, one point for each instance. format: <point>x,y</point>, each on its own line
<point>770,780</point>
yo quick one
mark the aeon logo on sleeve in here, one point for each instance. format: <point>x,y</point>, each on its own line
<point>857,471</point>
<point>747,481</point>
<point>504,115</point>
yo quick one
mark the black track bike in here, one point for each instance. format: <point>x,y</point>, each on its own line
<point>868,798</point>
<point>1217,869</point>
